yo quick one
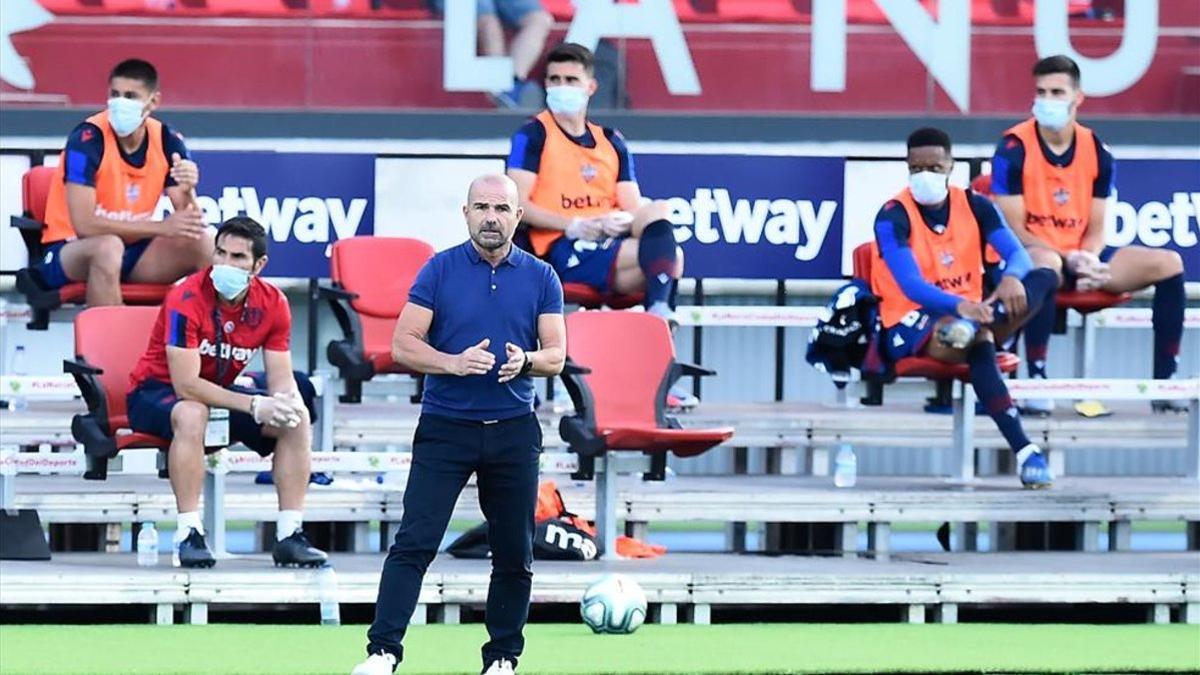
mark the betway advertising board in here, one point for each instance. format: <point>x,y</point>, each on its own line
<point>749,217</point>
<point>1158,205</point>
<point>306,201</point>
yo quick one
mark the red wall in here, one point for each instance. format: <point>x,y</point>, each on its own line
<point>365,64</point>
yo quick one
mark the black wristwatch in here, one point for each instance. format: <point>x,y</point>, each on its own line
<point>527,366</point>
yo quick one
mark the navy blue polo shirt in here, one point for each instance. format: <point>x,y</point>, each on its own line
<point>470,301</point>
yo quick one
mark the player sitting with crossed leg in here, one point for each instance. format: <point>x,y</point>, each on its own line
<point>928,275</point>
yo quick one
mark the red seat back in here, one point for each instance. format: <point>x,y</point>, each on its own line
<point>114,339</point>
<point>35,191</point>
<point>629,354</point>
<point>862,262</point>
<point>380,270</point>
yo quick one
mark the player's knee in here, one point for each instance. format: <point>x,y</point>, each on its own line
<point>1044,257</point>
<point>107,251</point>
<point>540,20</point>
<point>205,246</point>
<point>1170,263</point>
<point>678,262</point>
<point>189,418</point>
<point>656,209</point>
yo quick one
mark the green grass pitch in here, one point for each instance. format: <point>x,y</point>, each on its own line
<point>554,649</point>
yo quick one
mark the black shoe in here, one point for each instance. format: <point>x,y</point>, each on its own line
<point>1169,406</point>
<point>297,550</point>
<point>193,552</point>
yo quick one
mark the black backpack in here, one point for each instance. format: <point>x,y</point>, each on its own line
<point>553,539</point>
<point>845,341</point>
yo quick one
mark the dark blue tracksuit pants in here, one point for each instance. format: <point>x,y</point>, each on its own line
<point>446,451</point>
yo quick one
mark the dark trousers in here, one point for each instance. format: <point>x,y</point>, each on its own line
<point>446,451</point>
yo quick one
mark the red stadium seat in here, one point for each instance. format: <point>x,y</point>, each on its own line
<point>35,191</point>
<point>921,366</point>
<point>620,367</point>
<point>371,278</point>
<point>589,298</point>
<point>1086,302</point>
<point>109,341</point>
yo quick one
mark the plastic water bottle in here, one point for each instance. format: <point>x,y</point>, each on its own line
<point>147,546</point>
<point>18,367</point>
<point>845,467</point>
<point>327,591</point>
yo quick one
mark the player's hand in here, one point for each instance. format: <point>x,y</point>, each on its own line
<point>1011,293</point>
<point>516,361</point>
<point>185,223</point>
<point>616,223</point>
<point>281,410</point>
<point>587,229</point>
<point>184,172</point>
<point>1090,273</point>
<point>475,360</point>
<point>976,311</point>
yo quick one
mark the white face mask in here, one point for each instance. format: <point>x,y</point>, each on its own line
<point>566,100</point>
<point>1052,113</point>
<point>928,187</point>
<point>230,281</point>
<point>124,115</point>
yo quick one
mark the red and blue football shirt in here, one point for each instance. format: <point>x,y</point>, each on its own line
<point>227,336</point>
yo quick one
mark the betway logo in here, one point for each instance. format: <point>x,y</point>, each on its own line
<point>1154,224</point>
<point>306,219</point>
<point>239,354</point>
<point>712,215</point>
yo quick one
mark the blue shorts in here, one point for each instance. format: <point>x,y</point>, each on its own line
<point>909,337</point>
<point>511,12</point>
<point>52,274</point>
<point>592,263</point>
<point>150,407</point>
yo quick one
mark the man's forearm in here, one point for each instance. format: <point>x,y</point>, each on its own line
<point>547,362</point>
<point>416,354</point>
<point>212,395</point>
<point>543,218</point>
<point>1093,239</point>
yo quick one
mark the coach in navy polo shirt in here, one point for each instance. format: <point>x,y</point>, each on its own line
<point>481,319</point>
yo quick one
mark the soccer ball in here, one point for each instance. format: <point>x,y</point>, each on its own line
<point>614,604</point>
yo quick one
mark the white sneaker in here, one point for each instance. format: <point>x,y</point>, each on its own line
<point>501,667</point>
<point>680,396</point>
<point>378,664</point>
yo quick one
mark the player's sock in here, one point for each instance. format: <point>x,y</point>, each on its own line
<point>1168,325</point>
<point>1037,335</point>
<point>657,258</point>
<point>1040,286</point>
<point>185,523</point>
<point>989,386</point>
<point>289,521</point>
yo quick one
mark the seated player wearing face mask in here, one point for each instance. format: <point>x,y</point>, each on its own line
<point>115,166</point>
<point>585,212</point>
<point>1051,177</point>
<point>210,326</point>
<point>928,275</point>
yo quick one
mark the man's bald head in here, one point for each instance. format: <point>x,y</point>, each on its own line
<point>492,211</point>
<point>493,184</point>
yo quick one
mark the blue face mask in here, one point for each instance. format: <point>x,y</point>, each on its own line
<point>124,115</point>
<point>566,100</point>
<point>230,281</point>
<point>1052,114</point>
